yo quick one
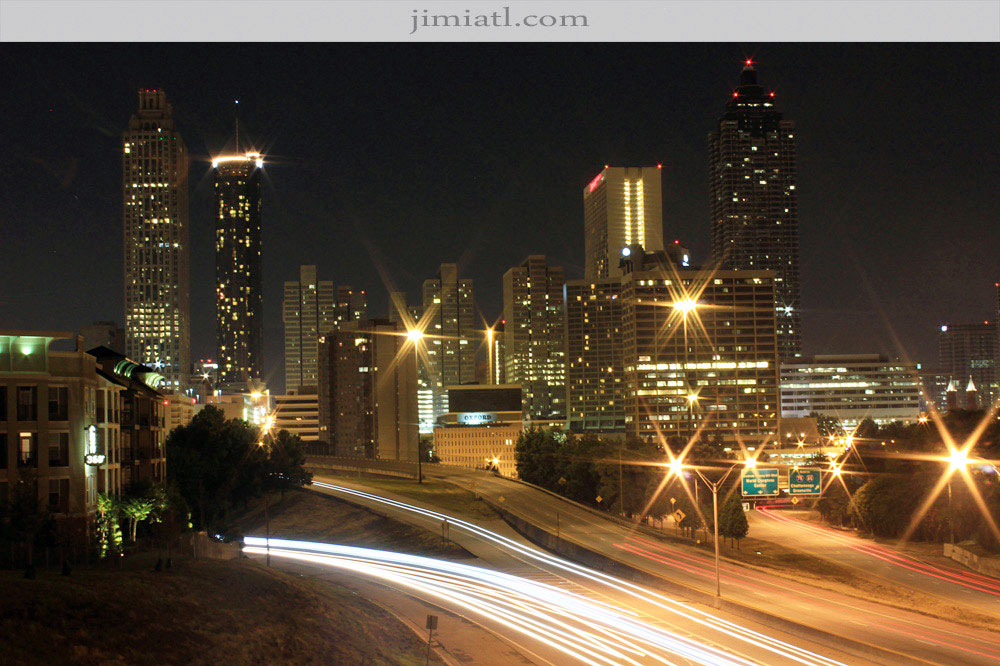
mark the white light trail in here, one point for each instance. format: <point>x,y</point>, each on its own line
<point>679,608</point>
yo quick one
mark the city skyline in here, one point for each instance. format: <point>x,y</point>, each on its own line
<point>353,228</point>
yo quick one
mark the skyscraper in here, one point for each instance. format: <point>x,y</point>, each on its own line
<point>753,199</point>
<point>238,280</point>
<point>969,352</point>
<point>308,312</point>
<point>622,206</point>
<point>351,305</point>
<point>448,318</point>
<point>154,189</point>
<point>534,331</point>
<point>595,398</point>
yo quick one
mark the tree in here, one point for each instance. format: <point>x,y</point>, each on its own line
<point>732,519</point>
<point>109,531</point>
<point>827,426</point>
<point>286,463</point>
<point>536,455</point>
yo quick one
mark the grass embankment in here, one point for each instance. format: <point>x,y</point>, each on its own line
<point>444,496</point>
<point>310,516</point>
<point>198,612</point>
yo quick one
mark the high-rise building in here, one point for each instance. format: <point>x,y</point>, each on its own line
<point>622,206</point>
<point>298,413</point>
<point>238,279</point>
<point>698,351</point>
<point>753,198</point>
<point>594,376</point>
<point>103,334</point>
<point>351,305</point>
<point>534,336</point>
<point>969,352</point>
<point>851,388</point>
<point>497,339</point>
<point>154,188</point>
<point>308,313</point>
<point>449,327</point>
<point>367,391</point>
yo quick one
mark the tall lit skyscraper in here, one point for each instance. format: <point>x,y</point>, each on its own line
<point>622,206</point>
<point>595,391</point>
<point>308,313</point>
<point>237,266</point>
<point>755,222</point>
<point>154,188</point>
<point>534,336</point>
<point>351,305</point>
<point>449,317</point>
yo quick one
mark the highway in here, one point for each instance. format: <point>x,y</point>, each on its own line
<point>730,639</point>
<point>908,633</point>
<point>578,628</point>
<point>938,577</point>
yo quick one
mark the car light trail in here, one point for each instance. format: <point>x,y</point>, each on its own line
<point>966,579</point>
<point>568,622</point>
<point>678,608</point>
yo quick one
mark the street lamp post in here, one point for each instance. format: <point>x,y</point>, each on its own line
<point>415,335</point>
<point>675,468</point>
<point>266,433</point>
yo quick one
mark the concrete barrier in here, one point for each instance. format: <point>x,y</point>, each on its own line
<point>988,566</point>
<point>393,468</point>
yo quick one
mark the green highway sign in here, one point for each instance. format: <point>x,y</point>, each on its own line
<point>804,482</point>
<point>760,481</point>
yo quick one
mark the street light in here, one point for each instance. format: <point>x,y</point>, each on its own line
<point>266,432</point>
<point>676,466</point>
<point>415,335</point>
<point>957,461</point>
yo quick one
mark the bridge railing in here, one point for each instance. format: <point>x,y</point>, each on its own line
<point>395,468</point>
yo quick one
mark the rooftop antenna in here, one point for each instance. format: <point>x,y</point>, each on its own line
<point>237,128</point>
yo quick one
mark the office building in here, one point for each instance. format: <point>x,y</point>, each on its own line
<point>298,413</point>
<point>178,410</point>
<point>969,351</point>
<point>481,427</point>
<point>698,351</point>
<point>154,188</point>
<point>753,198</point>
<point>534,336</point>
<point>851,388</point>
<point>448,321</point>
<point>497,351</point>
<point>238,306</point>
<point>622,206</point>
<point>351,305</point>
<point>103,334</point>
<point>368,391</point>
<point>594,374</point>
<point>308,312</point>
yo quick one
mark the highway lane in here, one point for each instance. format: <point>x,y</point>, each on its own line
<point>910,633</point>
<point>946,580</point>
<point>501,548</point>
<point>579,629</point>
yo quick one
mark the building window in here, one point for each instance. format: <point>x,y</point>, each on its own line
<point>58,403</point>
<point>3,450</point>
<point>59,495</point>
<point>27,450</point>
<point>59,449</point>
<point>27,403</point>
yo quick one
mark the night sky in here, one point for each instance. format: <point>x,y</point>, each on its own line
<point>400,157</point>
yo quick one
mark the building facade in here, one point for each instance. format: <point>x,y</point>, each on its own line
<point>308,313</point>
<point>534,337</point>
<point>298,413</point>
<point>594,375</point>
<point>238,280</point>
<point>154,189</point>
<point>851,388</point>
<point>448,321</point>
<point>698,351</point>
<point>970,351</point>
<point>622,206</point>
<point>753,198</point>
<point>481,427</point>
<point>103,334</point>
<point>368,391</point>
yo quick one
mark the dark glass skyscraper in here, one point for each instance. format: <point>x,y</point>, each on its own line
<point>755,224</point>
<point>237,266</point>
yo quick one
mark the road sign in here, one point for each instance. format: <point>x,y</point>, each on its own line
<point>760,482</point>
<point>599,499</point>
<point>804,482</point>
<point>679,516</point>
<point>673,500</point>
<point>795,500</point>
<point>432,622</point>
<point>746,506</point>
